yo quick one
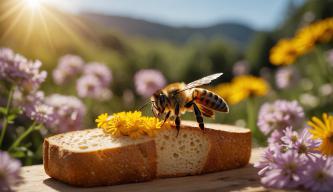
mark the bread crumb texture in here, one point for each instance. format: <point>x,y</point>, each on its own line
<point>131,124</point>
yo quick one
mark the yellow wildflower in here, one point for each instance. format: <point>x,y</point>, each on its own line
<point>241,88</point>
<point>246,86</point>
<point>323,130</point>
<point>102,120</point>
<point>131,124</point>
<point>284,52</point>
<point>224,90</point>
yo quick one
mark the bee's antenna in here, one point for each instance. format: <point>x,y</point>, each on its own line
<point>144,105</point>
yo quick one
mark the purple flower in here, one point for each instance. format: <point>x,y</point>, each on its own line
<point>290,137</point>
<point>9,171</point>
<point>319,174</point>
<point>266,163</point>
<point>101,71</point>
<point>39,112</point>
<point>240,68</point>
<point>69,110</point>
<point>306,145</point>
<point>279,115</point>
<point>275,137</point>
<point>286,77</point>
<point>287,173</point>
<point>147,81</point>
<point>128,97</point>
<point>68,66</point>
<point>91,87</point>
<point>16,69</point>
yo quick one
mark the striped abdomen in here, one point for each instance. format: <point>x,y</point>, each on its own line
<point>210,100</point>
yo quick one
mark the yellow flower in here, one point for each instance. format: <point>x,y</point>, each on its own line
<point>284,52</point>
<point>102,120</point>
<point>323,130</point>
<point>224,90</point>
<point>131,124</point>
<point>241,88</point>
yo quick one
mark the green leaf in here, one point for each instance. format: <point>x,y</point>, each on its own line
<point>19,152</point>
<point>3,110</point>
<point>11,118</point>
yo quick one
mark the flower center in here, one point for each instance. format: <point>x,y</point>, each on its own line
<point>320,176</point>
<point>302,149</point>
<point>330,138</point>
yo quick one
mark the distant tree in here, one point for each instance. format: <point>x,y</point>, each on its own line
<point>258,51</point>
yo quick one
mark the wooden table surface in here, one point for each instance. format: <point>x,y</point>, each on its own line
<point>243,179</point>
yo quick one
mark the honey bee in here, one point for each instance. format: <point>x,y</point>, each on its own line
<point>178,98</point>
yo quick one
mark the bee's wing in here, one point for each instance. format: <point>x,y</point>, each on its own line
<point>206,111</point>
<point>202,81</point>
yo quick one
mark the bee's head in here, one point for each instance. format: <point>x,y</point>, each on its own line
<point>159,101</point>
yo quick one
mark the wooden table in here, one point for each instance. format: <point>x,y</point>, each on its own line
<point>244,179</point>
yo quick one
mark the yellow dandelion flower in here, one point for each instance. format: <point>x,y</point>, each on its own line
<point>131,124</point>
<point>325,30</point>
<point>284,52</point>
<point>241,88</point>
<point>102,120</point>
<point>246,86</point>
<point>323,130</point>
<point>224,90</point>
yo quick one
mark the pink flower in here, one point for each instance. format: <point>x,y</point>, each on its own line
<point>147,81</point>
<point>68,66</point>
<point>9,171</point>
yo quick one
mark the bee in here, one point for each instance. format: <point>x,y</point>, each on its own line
<point>177,98</point>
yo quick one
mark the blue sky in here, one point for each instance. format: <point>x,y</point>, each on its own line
<point>261,14</point>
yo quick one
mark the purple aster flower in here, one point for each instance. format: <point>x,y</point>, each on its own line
<point>16,69</point>
<point>147,81</point>
<point>267,162</point>
<point>9,171</point>
<point>39,112</point>
<point>319,174</point>
<point>306,145</point>
<point>279,115</point>
<point>287,173</point>
<point>101,71</point>
<point>286,77</point>
<point>69,110</point>
<point>68,66</point>
<point>290,137</point>
<point>275,137</point>
<point>240,68</point>
<point>91,87</point>
<point>128,97</point>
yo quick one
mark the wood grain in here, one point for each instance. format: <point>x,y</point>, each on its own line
<point>243,179</point>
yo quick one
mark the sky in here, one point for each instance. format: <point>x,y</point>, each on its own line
<point>260,14</point>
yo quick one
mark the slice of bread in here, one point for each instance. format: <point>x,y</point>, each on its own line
<point>93,158</point>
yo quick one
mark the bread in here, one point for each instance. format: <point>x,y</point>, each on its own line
<point>92,158</point>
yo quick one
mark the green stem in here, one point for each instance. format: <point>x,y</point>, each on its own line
<point>18,141</point>
<point>5,118</point>
<point>323,65</point>
<point>250,114</point>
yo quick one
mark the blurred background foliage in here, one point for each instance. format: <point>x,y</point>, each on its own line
<point>127,45</point>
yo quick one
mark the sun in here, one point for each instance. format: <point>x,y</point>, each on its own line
<point>33,4</point>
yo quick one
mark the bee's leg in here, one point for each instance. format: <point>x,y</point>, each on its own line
<point>198,116</point>
<point>189,104</point>
<point>166,117</point>
<point>152,110</point>
<point>177,120</point>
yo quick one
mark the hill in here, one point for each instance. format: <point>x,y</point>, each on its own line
<point>235,33</point>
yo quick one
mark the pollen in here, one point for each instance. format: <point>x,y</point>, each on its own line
<point>131,124</point>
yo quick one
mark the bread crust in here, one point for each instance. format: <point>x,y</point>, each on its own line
<point>132,163</point>
<point>138,162</point>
